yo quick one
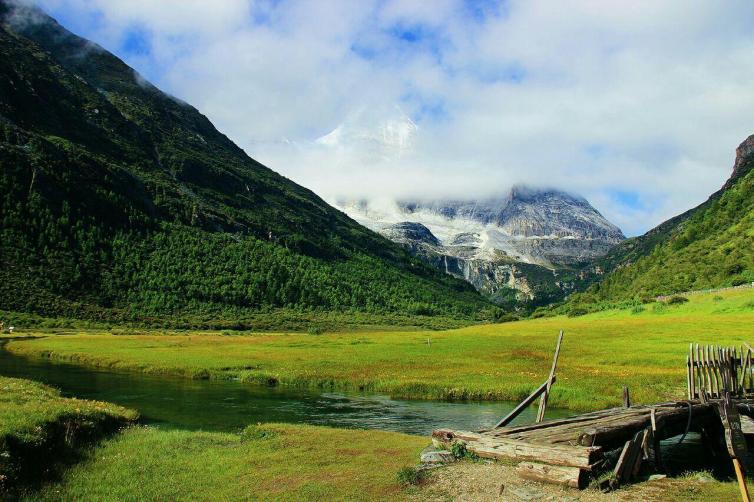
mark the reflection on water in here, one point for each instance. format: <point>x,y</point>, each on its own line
<point>228,405</point>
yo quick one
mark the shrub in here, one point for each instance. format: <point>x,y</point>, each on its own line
<point>506,318</point>
<point>458,449</point>
<point>410,476</point>
<point>734,269</point>
<point>315,330</point>
<point>540,312</point>
<point>677,300</point>
<point>637,309</point>
<point>578,311</point>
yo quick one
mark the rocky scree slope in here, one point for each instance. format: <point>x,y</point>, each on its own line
<point>520,249</point>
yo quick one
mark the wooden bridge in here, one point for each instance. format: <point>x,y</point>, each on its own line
<point>571,451</point>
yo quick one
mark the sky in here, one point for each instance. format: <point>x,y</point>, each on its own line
<point>636,105</point>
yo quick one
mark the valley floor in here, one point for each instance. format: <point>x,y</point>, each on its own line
<point>262,462</point>
<point>644,348</point>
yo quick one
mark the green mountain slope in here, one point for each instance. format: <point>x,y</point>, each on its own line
<point>119,201</point>
<point>709,246</point>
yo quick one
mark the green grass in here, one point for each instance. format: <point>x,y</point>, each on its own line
<point>274,462</point>
<point>38,428</point>
<point>602,351</point>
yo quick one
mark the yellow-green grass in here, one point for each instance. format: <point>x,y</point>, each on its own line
<point>645,350</point>
<point>266,462</point>
<point>38,427</point>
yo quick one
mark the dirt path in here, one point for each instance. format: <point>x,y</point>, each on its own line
<point>470,481</point>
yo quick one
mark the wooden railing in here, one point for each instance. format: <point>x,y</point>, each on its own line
<point>713,370</point>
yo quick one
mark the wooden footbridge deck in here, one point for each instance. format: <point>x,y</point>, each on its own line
<point>570,451</point>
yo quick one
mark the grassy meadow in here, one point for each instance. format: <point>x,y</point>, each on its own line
<point>39,429</point>
<point>264,462</point>
<point>643,347</point>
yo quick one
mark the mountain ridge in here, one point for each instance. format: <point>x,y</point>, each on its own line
<point>518,248</point>
<point>707,246</point>
<point>120,200</point>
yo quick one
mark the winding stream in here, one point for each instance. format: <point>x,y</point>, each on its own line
<point>217,405</point>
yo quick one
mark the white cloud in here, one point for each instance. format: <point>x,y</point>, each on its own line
<point>636,105</point>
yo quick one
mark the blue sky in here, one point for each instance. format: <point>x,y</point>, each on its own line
<point>638,106</point>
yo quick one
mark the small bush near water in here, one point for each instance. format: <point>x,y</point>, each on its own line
<point>410,476</point>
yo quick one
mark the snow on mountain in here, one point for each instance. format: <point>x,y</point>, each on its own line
<point>545,227</point>
<point>386,134</point>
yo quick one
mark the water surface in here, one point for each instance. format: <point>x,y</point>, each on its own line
<point>217,405</point>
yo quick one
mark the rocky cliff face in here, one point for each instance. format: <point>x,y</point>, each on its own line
<point>516,248</point>
<point>744,161</point>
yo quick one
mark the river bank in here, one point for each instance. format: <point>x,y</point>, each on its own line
<point>642,348</point>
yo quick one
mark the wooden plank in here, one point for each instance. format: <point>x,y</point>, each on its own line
<point>570,456</point>
<point>550,381</point>
<point>575,428</point>
<point>702,372</point>
<point>523,405</point>
<point>692,379</point>
<point>617,433</point>
<point>655,424</point>
<point>689,385</point>
<point>742,375</point>
<point>708,363</point>
<point>718,370</point>
<point>549,423</point>
<point>747,425</point>
<point>629,460</point>
<point>467,435</point>
<point>742,487</point>
<point>572,477</point>
<point>620,466</point>
<point>735,441</point>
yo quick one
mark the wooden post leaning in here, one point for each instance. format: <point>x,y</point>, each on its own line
<point>734,441</point>
<point>550,381</point>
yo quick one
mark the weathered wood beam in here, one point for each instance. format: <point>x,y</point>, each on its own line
<point>628,462</point>
<point>572,477</point>
<point>619,432</point>
<point>569,456</point>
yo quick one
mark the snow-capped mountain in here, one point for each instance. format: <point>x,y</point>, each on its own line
<point>500,243</point>
<point>543,227</point>
<point>383,134</point>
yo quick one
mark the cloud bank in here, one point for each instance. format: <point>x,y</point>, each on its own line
<point>635,105</point>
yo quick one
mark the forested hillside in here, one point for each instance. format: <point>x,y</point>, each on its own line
<point>120,201</point>
<point>709,246</point>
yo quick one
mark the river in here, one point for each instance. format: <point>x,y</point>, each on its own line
<point>219,405</point>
